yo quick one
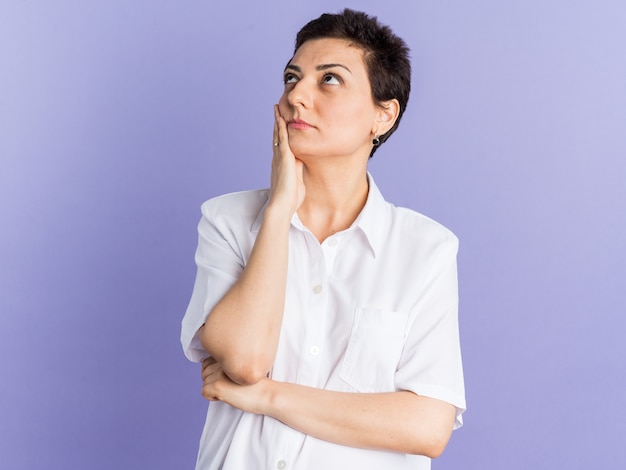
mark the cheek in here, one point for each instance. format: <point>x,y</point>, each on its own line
<point>353,109</point>
<point>355,119</point>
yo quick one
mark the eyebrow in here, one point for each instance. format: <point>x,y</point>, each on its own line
<point>319,67</point>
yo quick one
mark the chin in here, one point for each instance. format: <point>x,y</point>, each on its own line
<point>303,151</point>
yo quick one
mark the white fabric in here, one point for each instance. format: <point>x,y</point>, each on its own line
<point>371,309</point>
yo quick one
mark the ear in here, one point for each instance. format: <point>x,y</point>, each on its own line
<point>386,116</point>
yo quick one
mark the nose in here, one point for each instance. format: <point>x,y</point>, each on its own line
<point>300,94</point>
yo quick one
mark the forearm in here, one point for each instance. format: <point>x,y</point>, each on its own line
<point>242,330</point>
<point>396,421</point>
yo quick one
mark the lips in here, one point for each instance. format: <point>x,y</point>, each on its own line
<point>299,124</point>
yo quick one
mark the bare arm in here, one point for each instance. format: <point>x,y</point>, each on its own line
<point>395,421</point>
<point>242,330</point>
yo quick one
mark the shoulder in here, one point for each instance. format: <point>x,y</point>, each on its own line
<point>239,204</point>
<point>234,213</point>
<point>414,223</point>
<point>394,227</point>
<point>418,229</point>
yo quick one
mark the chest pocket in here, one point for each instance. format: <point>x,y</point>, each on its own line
<point>374,349</point>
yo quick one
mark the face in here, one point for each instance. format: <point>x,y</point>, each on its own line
<point>327,101</point>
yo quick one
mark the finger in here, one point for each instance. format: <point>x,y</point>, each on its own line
<point>210,371</point>
<point>207,393</point>
<point>275,137</point>
<point>280,126</point>
<point>207,362</point>
<point>283,137</point>
<point>208,367</point>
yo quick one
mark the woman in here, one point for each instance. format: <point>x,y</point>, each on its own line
<point>325,317</point>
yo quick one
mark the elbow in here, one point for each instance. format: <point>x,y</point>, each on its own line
<point>242,365</point>
<point>433,427</point>
<point>432,447</point>
<point>436,448</point>
<point>243,372</point>
<point>435,444</point>
<point>432,430</point>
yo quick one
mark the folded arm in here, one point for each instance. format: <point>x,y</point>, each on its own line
<point>395,421</point>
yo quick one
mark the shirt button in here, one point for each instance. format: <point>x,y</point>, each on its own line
<point>317,289</point>
<point>332,242</point>
<point>281,464</point>
<point>315,350</point>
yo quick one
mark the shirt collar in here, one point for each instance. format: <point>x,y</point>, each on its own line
<point>371,221</point>
<point>373,217</point>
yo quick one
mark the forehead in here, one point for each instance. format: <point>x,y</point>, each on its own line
<point>329,51</point>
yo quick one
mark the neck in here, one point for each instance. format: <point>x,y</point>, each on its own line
<point>334,198</point>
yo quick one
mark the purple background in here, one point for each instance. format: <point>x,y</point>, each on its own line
<point>118,118</point>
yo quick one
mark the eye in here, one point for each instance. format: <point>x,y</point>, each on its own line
<point>290,78</point>
<point>331,79</point>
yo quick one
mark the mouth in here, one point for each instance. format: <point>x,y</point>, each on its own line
<point>299,124</point>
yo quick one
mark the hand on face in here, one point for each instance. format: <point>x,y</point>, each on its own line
<point>287,186</point>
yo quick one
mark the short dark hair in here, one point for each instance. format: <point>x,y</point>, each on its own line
<point>386,55</point>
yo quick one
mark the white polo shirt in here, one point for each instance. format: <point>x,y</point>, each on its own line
<point>371,309</point>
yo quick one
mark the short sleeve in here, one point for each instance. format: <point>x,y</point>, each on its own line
<point>224,242</point>
<point>430,364</point>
